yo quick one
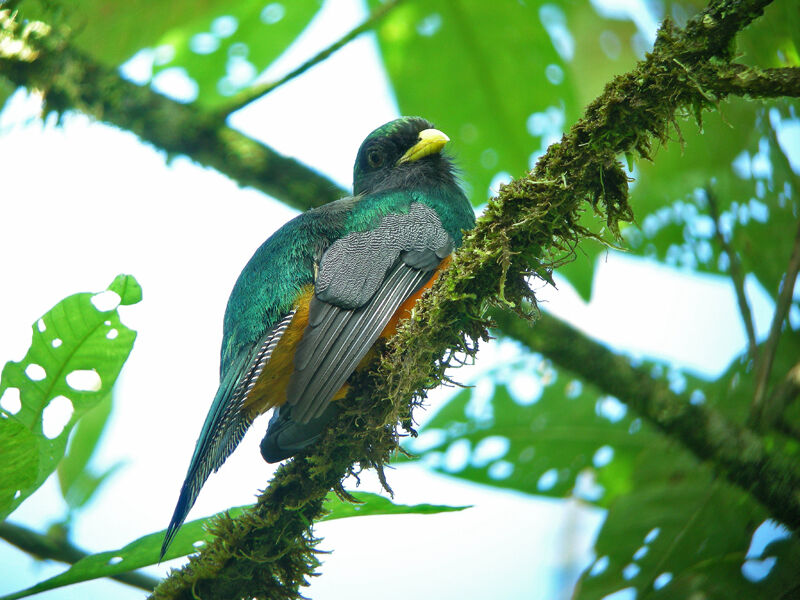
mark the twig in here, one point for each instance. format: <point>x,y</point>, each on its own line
<point>247,96</point>
<point>736,273</point>
<point>757,409</point>
<point>45,547</point>
<point>785,393</point>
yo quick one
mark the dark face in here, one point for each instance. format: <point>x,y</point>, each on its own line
<point>377,169</point>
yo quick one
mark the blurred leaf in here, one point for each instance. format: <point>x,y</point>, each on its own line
<point>224,50</point>
<point>145,551</point>
<point>75,356</point>
<point>113,31</point>
<point>543,447</point>
<point>679,526</point>
<point>73,478</point>
<point>497,93</point>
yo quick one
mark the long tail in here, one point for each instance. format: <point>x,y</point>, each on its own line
<point>222,431</point>
<point>225,424</point>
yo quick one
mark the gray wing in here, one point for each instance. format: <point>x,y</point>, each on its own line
<point>363,279</point>
<point>225,424</point>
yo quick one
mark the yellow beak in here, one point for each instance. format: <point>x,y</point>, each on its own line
<point>430,141</point>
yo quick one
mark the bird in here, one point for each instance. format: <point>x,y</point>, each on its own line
<point>317,295</point>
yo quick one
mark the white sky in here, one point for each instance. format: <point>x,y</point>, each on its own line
<point>84,202</point>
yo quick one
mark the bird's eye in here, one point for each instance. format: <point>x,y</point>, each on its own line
<point>375,158</point>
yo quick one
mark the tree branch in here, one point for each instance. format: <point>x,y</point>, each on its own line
<point>736,273</point>
<point>771,345</point>
<point>247,96</point>
<point>46,547</point>
<point>40,58</point>
<point>708,434</point>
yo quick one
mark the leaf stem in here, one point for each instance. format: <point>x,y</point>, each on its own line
<point>735,271</point>
<point>757,409</point>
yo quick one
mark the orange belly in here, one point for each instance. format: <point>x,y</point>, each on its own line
<point>270,389</point>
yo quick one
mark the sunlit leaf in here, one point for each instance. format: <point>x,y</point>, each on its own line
<point>192,536</point>
<point>76,354</point>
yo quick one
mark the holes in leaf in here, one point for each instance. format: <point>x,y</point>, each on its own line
<point>272,13</point>
<point>611,409</point>
<point>599,567</point>
<point>204,43</point>
<point>429,25</point>
<point>490,449</point>
<point>17,494</point>
<point>106,301</point>
<point>603,456</point>
<point>35,372</point>
<point>630,571</point>
<point>55,417</point>
<point>525,388</point>
<point>502,469</point>
<point>640,553</point>
<point>573,389</point>
<point>662,580</point>
<point>548,480</point>
<point>56,342</point>
<point>652,535</point>
<point>10,401</point>
<point>112,334</point>
<point>199,543</point>
<point>757,566</point>
<point>428,439</point>
<point>457,456</point>
<point>224,26</point>
<point>84,380</point>
<point>41,326</point>
<point>554,74</point>
<point>114,560</point>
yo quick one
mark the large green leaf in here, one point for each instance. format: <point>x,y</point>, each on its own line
<point>569,440</point>
<point>682,530</point>
<point>224,51</point>
<point>193,535</point>
<point>444,62</point>
<point>75,357</point>
<point>113,31</point>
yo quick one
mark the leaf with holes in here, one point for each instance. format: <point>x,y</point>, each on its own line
<point>569,440</point>
<point>76,354</point>
<point>193,535</point>
<point>684,530</point>
<point>224,52</point>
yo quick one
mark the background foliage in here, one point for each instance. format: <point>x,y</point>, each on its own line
<point>720,195</point>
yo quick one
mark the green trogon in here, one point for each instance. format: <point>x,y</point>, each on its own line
<point>316,296</point>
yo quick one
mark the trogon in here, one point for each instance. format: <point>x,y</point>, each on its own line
<point>318,294</point>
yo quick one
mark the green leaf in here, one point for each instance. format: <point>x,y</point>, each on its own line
<point>238,38</point>
<point>681,529</point>
<point>497,92</point>
<point>539,448</point>
<point>145,551</point>
<point>76,354</point>
<point>113,31</point>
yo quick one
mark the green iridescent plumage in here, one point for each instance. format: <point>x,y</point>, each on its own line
<point>365,256</point>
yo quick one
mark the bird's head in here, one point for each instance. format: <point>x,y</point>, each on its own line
<point>403,154</point>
